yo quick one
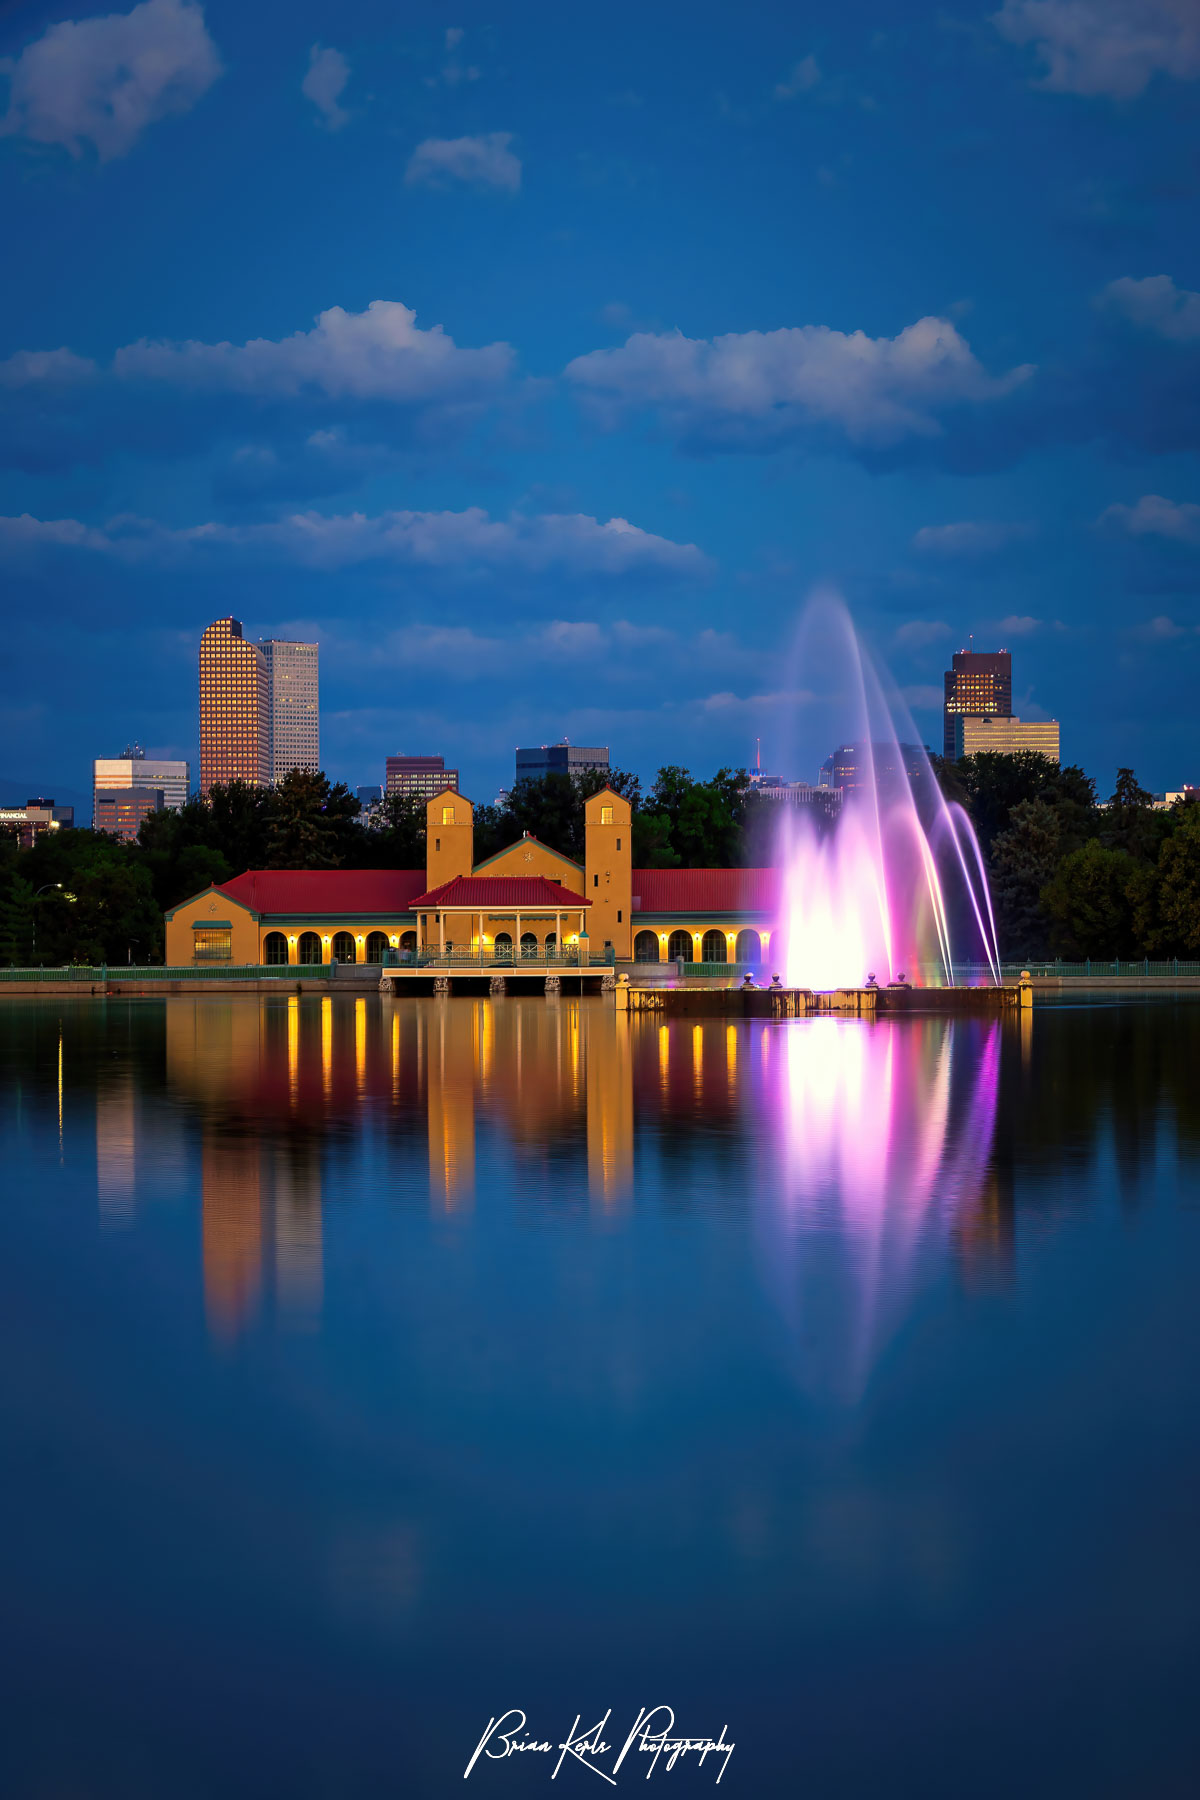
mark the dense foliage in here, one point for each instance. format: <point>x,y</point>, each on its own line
<point>1070,876</point>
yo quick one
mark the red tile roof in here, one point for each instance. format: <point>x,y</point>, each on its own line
<point>489,891</point>
<point>360,891</point>
<point>705,890</point>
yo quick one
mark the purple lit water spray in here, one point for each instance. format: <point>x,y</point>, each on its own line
<point>894,883</point>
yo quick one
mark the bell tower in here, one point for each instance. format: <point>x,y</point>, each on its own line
<point>449,837</point>
<point>608,878</point>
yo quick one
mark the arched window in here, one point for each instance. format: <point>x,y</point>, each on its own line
<point>308,950</point>
<point>645,947</point>
<point>376,945</point>
<point>504,946</point>
<point>680,944</point>
<point>275,947</point>
<point>529,945</point>
<point>408,941</point>
<point>749,948</point>
<point>343,946</point>
<point>551,946</point>
<point>713,947</point>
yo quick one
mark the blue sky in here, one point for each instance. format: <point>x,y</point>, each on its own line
<point>541,362</point>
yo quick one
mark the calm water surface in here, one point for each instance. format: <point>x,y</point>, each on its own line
<point>371,1368</point>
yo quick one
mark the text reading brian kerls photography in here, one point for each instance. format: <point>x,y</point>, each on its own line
<point>653,1735</point>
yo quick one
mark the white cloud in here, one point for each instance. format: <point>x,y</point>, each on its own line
<point>469,542</point>
<point>803,79</point>
<point>1155,517</point>
<point>1018,625</point>
<point>754,388</point>
<point>1109,47</point>
<point>29,368</point>
<point>484,161</point>
<point>1156,304</point>
<point>968,537</point>
<point>379,354</point>
<point>104,80</point>
<point>328,73</point>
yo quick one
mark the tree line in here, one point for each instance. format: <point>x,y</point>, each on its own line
<point>1070,876</point>
<point>87,897</point>
<point>1075,877</point>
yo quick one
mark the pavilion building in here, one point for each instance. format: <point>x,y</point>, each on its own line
<point>526,901</point>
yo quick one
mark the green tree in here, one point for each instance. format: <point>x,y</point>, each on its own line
<point>16,922</point>
<point>705,818</point>
<point>310,823</point>
<point>398,840</point>
<point>1090,903</point>
<point>1024,859</point>
<point>994,784</point>
<point>1130,821</point>
<point>1176,901</point>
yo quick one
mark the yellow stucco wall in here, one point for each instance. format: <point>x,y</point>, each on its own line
<point>203,910</point>
<point>609,871</point>
<point>449,842</point>
<point>529,856</point>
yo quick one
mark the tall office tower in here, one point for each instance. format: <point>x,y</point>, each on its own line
<point>560,759</point>
<point>423,776</point>
<point>235,708</point>
<point>137,770</point>
<point>978,685</point>
<point>294,712</point>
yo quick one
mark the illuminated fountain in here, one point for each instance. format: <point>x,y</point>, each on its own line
<point>894,884</point>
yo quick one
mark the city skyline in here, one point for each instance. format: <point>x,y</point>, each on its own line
<point>574,420</point>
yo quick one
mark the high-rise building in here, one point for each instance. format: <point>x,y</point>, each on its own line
<point>135,769</point>
<point>235,708</point>
<point>33,820</point>
<point>562,758</point>
<point>1005,737</point>
<point>295,732</point>
<point>978,684</point>
<point>878,764</point>
<point>121,810</point>
<point>421,776</point>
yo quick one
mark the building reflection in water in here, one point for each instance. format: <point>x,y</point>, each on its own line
<point>871,1143</point>
<point>116,1147</point>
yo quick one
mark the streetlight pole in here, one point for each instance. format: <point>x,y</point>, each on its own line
<point>45,887</point>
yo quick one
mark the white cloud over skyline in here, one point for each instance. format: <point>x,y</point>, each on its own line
<point>104,80</point>
<point>484,162</point>
<point>1155,304</point>
<point>323,84</point>
<point>1154,516</point>
<point>468,542</point>
<point>1110,48</point>
<point>754,389</point>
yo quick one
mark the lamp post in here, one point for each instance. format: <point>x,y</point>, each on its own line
<point>45,887</point>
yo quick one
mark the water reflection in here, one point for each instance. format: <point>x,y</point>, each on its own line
<point>872,1159</point>
<point>888,1130</point>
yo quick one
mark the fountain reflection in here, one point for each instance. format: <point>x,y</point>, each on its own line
<point>888,1168</point>
<point>877,1138</point>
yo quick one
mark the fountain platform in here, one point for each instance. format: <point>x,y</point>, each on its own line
<point>796,1003</point>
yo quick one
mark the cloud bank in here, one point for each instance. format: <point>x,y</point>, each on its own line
<point>470,542</point>
<point>756,390</point>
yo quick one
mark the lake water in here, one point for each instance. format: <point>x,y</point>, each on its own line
<point>371,1368</point>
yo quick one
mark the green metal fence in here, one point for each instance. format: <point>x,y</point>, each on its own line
<point>126,972</point>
